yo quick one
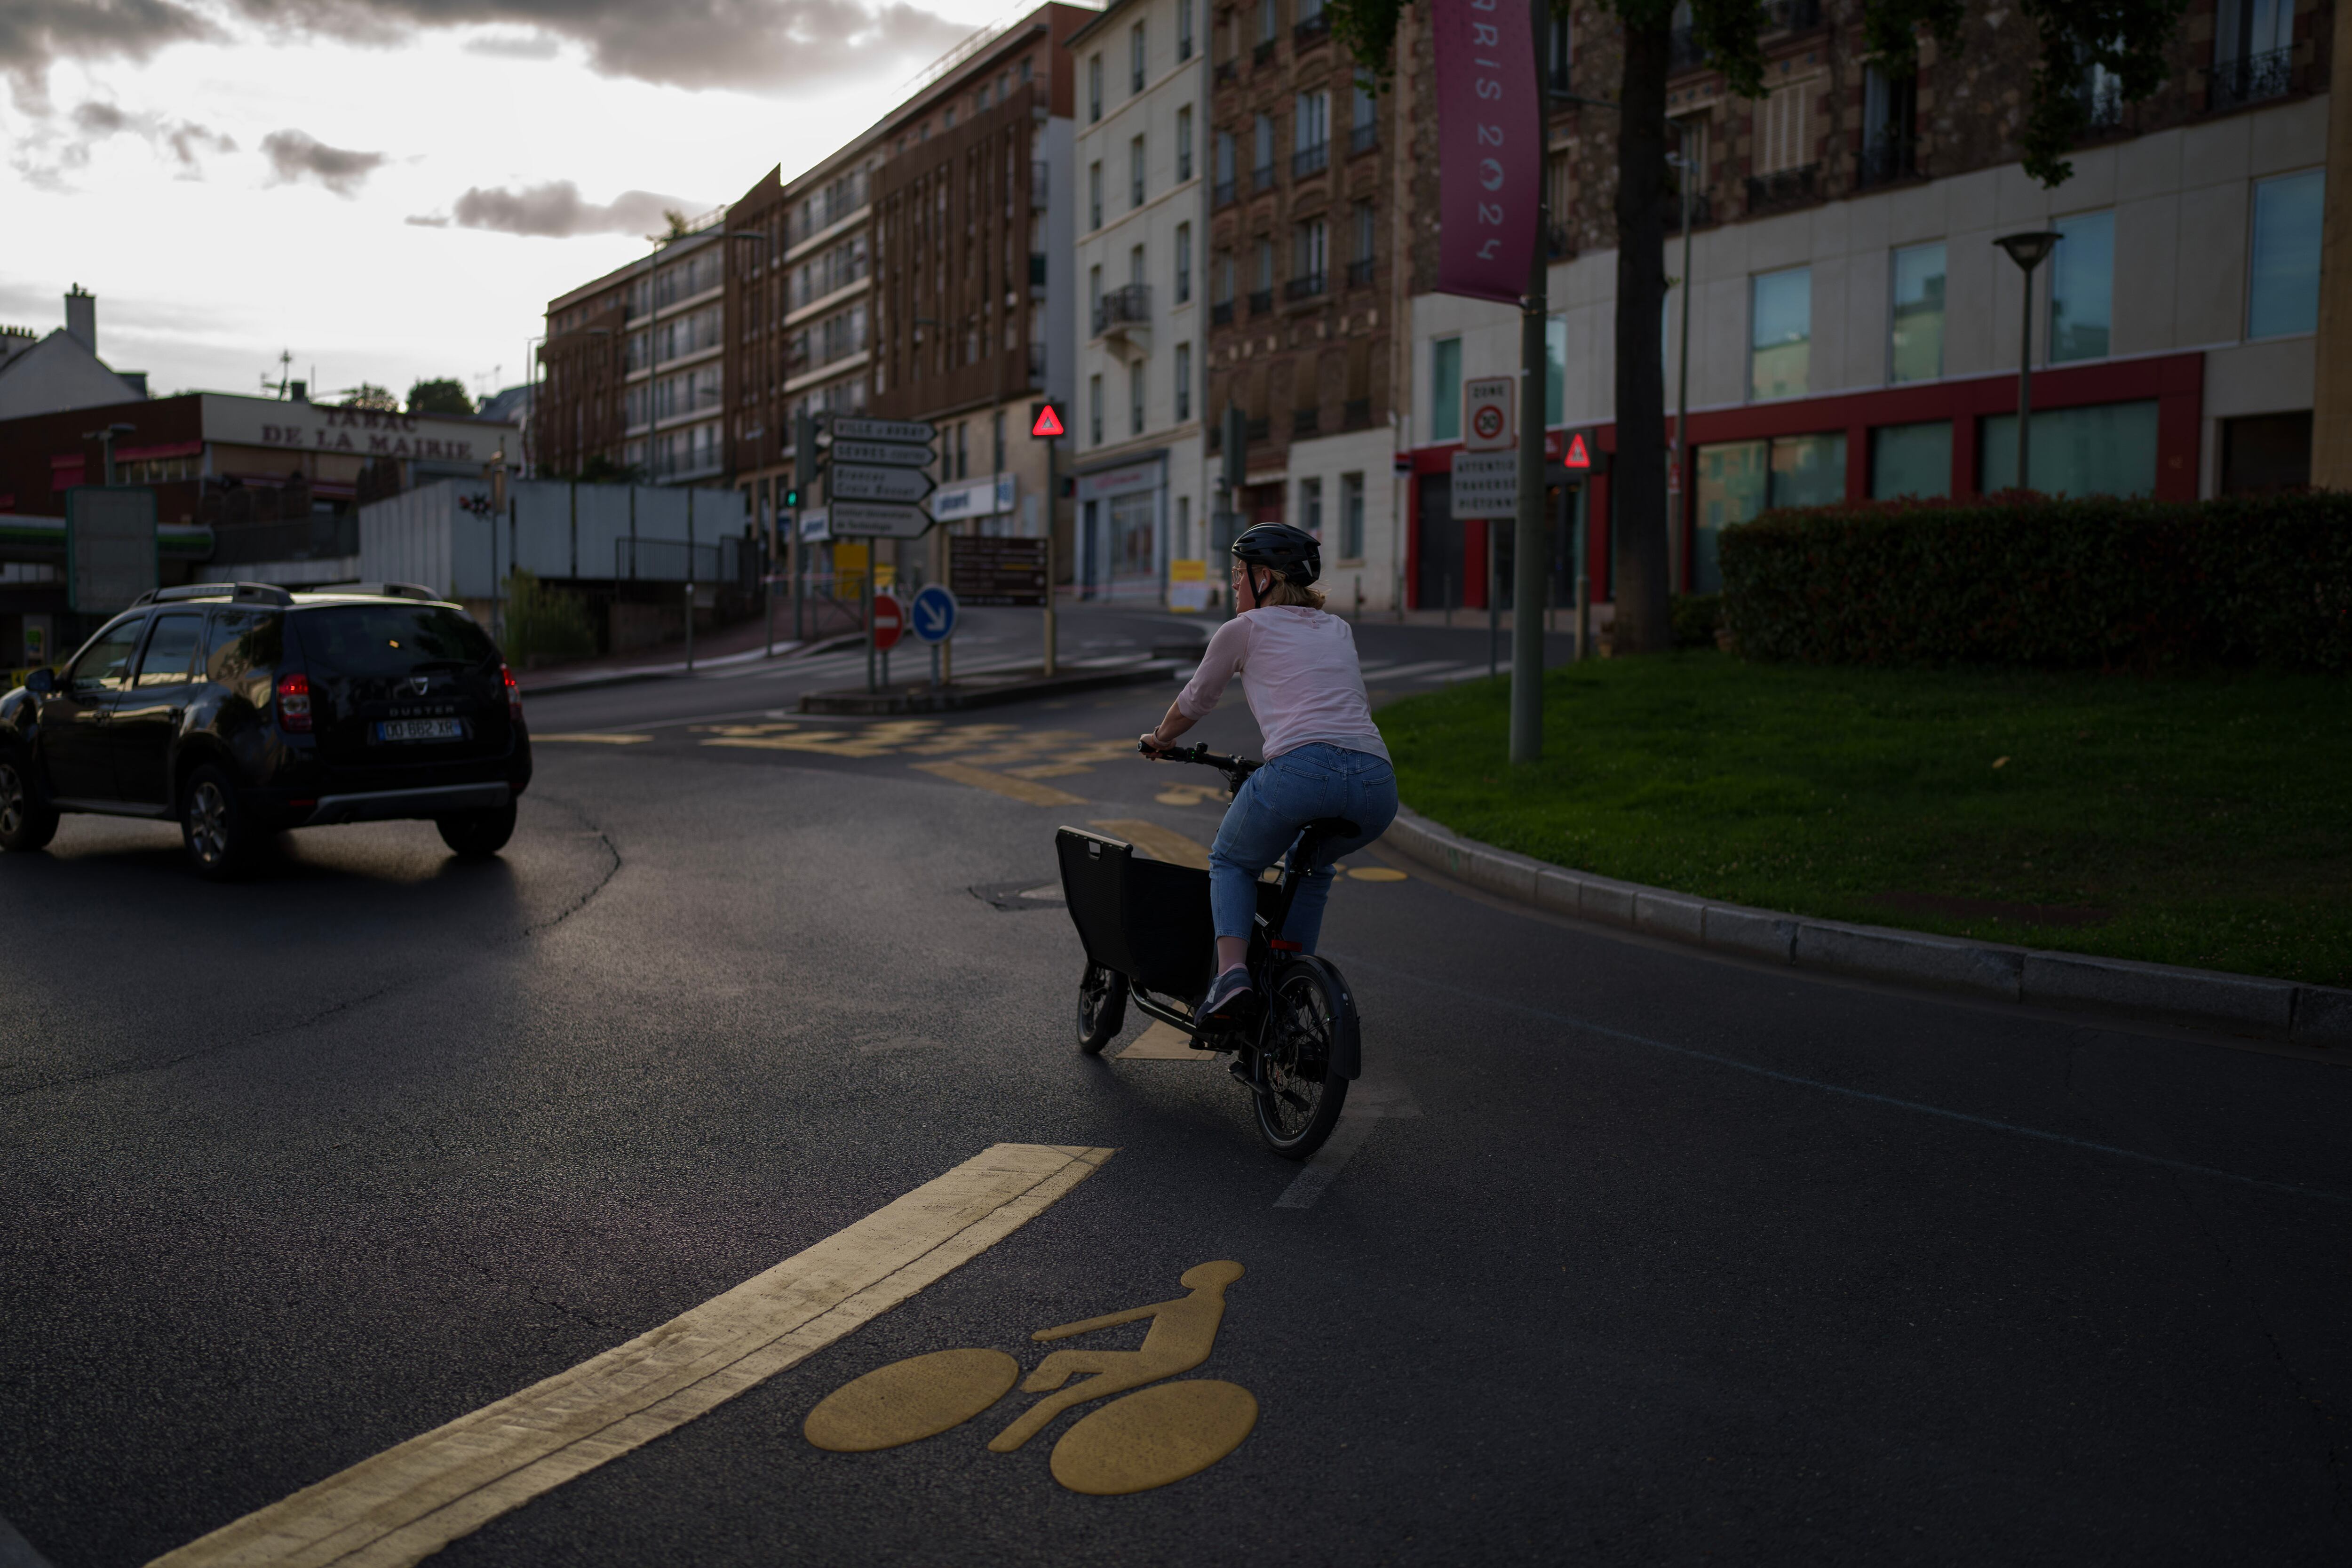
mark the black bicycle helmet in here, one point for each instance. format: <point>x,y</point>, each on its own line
<point>1278,547</point>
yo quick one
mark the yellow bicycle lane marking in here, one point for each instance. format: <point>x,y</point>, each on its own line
<point>410,1500</point>
<point>598,739</point>
<point>1027,790</point>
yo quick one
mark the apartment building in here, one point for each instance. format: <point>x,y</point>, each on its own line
<point>1304,287</point>
<point>1143,88</point>
<point>1855,330</point>
<point>972,224</point>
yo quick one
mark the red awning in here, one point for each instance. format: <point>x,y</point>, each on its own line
<point>329,489</point>
<point>171,449</point>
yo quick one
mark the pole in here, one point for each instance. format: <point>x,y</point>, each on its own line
<point>1527,551</point>
<point>690,609</point>
<point>1681,539</point>
<point>1053,511</point>
<point>2025,383</point>
<point>1495,607</point>
<point>865,598</point>
<point>1583,582</point>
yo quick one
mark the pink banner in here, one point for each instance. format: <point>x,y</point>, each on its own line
<point>1489,146</point>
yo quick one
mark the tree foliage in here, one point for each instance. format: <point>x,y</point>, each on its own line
<point>368,394</point>
<point>445,396</point>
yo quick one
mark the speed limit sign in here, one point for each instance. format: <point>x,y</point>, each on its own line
<point>1487,414</point>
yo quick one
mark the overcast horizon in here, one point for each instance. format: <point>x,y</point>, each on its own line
<point>379,187</point>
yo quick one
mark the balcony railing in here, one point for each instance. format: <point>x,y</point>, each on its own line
<point>1131,302</point>
<point>1786,188</point>
<point>1356,414</point>
<point>1263,54</point>
<point>1305,421</point>
<point>2102,102</point>
<point>1257,428</point>
<point>1310,160</point>
<point>2252,80</point>
<point>1363,139</point>
<point>1226,71</point>
<point>1794,14</point>
<point>1226,193</point>
<point>1261,300</point>
<point>1360,273</point>
<point>1221,314</point>
<point>1306,286</point>
<point>1887,157</point>
<point>1261,177</point>
<point>1311,28</point>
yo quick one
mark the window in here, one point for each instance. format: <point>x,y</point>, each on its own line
<point>985,97</point>
<point>947,120</point>
<point>1135,172</point>
<point>1094,296</point>
<point>1223,278</point>
<point>1555,370</point>
<point>2082,287</point>
<point>2283,292</point>
<point>1183,551</point>
<point>1445,390</point>
<point>1784,128</point>
<point>1780,332</point>
<point>1094,195</point>
<point>1366,241</point>
<point>1363,118</point>
<point>1183,262</point>
<point>1224,169</point>
<point>1265,265</point>
<point>1184,142</point>
<point>1911,461</point>
<point>1135,266</point>
<point>1352,517</point>
<point>1310,247</point>
<point>1310,134</point>
<point>1094,89</point>
<point>1135,398</point>
<point>1265,21</point>
<point>1135,58</point>
<point>1264,167</point>
<point>1558,56</point>
<point>1024,71</point>
<point>997,452</point>
<point>105,666</point>
<point>1310,506</point>
<point>1183,382</point>
<point>1738,480</point>
<point>170,650</point>
<point>1095,409</point>
<point>1183,29</point>
<point>1917,349</point>
<point>2109,450</point>
<point>2253,52</point>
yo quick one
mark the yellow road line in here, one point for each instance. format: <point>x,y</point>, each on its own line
<point>1164,1043</point>
<point>1003,783</point>
<point>599,739</point>
<point>1159,843</point>
<point>410,1501</point>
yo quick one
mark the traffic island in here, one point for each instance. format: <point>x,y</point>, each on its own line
<point>991,689</point>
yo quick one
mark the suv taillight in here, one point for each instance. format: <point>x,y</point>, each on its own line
<point>294,703</point>
<point>514,695</point>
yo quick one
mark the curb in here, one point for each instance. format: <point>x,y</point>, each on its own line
<point>956,698</point>
<point>674,672</point>
<point>2237,1004</point>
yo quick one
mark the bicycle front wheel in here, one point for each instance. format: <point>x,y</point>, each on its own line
<point>1299,1094</point>
<point>1102,1008</point>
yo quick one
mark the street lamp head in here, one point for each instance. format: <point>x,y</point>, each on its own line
<point>2028,249</point>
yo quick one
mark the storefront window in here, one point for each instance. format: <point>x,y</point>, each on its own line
<point>1738,480</point>
<point>1911,461</point>
<point>1131,533</point>
<point>2283,296</point>
<point>1780,341</point>
<point>2107,450</point>
<point>2082,289</point>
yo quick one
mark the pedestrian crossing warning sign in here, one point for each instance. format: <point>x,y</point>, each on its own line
<point>1578,455</point>
<point>1048,424</point>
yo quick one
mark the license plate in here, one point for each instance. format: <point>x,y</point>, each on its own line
<point>421,730</point>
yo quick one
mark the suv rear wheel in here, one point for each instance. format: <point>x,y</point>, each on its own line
<point>25,824</point>
<point>214,826</point>
<point>479,835</point>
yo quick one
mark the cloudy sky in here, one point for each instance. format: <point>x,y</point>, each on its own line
<point>392,189</point>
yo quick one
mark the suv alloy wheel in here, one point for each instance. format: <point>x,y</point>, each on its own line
<point>25,824</point>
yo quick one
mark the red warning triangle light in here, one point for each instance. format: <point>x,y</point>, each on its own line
<point>1048,424</point>
<point>1578,458</point>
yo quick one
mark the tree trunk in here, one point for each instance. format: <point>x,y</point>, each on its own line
<point>1638,473</point>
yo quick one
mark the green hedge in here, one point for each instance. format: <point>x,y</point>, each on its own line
<point>2100,582</point>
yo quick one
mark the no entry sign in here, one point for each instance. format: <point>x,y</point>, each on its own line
<point>889,621</point>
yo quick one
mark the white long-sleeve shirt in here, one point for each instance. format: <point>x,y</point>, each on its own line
<point>1300,674</point>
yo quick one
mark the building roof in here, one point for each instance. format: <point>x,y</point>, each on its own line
<point>51,374</point>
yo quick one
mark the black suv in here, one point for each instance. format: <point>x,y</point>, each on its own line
<point>243,710</point>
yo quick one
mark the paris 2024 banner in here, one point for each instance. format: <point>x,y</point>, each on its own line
<point>1489,144</point>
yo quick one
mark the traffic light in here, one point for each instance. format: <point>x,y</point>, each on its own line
<point>792,497</point>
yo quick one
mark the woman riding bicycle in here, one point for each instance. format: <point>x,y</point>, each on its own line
<point>1324,754</point>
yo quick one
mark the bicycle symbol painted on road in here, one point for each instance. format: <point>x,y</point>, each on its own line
<point>1141,1440</point>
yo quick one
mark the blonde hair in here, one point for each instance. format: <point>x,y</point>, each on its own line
<point>1282,591</point>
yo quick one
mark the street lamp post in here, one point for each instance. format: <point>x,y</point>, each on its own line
<point>2028,250</point>
<point>105,439</point>
<point>1678,541</point>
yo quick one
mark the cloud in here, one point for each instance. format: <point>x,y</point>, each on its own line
<point>761,46</point>
<point>296,155</point>
<point>516,46</point>
<point>37,34</point>
<point>555,211</point>
<point>49,152</point>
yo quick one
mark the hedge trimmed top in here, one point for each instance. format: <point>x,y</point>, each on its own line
<point>2019,579</point>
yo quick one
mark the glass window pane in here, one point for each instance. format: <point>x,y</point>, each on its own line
<point>2107,450</point>
<point>1731,482</point>
<point>1445,390</point>
<point>1781,335</point>
<point>170,650</point>
<point>1912,460</point>
<point>2282,295</point>
<point>1918,338</point>
<point>2082,287</point>
<point>1808,470</point>
<point>1555,371</point>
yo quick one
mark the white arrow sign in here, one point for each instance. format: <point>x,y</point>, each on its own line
<point>876,519</point>
<point>847,482</point>
<point>915,430</point>
<point>882,454</point>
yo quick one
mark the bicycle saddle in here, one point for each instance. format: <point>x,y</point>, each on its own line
<point>1332,828</point>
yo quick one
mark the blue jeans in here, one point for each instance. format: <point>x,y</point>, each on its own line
<point>1297,787</point>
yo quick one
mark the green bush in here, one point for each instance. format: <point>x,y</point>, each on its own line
<point>2022,579</point>
<point>546,621</point>
<point>1694,619</point>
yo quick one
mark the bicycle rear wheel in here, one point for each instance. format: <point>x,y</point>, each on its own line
<point>1299,1095</point>
<point>1102,1008</point>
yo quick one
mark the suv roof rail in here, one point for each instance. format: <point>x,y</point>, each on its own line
<point>250,591</point>
<point>397,590</point>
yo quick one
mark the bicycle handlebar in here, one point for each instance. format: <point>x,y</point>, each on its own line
<point>1236,768</point>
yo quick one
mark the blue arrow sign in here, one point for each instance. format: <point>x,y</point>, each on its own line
<point>933,613</point>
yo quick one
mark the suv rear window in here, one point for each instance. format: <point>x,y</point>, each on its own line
<point>393,639</point>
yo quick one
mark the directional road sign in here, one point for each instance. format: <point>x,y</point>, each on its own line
<point>934,614</point>
<point>915,430</point>
<point>889,621</point>
<point>851,482</point>
<point>875,518</point>
<point>879,454</point>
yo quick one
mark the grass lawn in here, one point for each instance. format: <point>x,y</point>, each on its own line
<point>2203,820</point>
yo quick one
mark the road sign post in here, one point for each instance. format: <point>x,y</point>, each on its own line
<point>1048,427</point>
<point>933,617</point>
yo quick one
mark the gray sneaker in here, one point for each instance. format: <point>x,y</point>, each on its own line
<point>1229,996</point>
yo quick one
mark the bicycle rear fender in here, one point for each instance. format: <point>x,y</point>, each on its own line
<point>1347,1041</point>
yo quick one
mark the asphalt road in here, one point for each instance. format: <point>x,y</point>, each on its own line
<point>1633,1255</point>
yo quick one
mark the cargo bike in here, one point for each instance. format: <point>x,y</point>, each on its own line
<point>1149,939</point>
